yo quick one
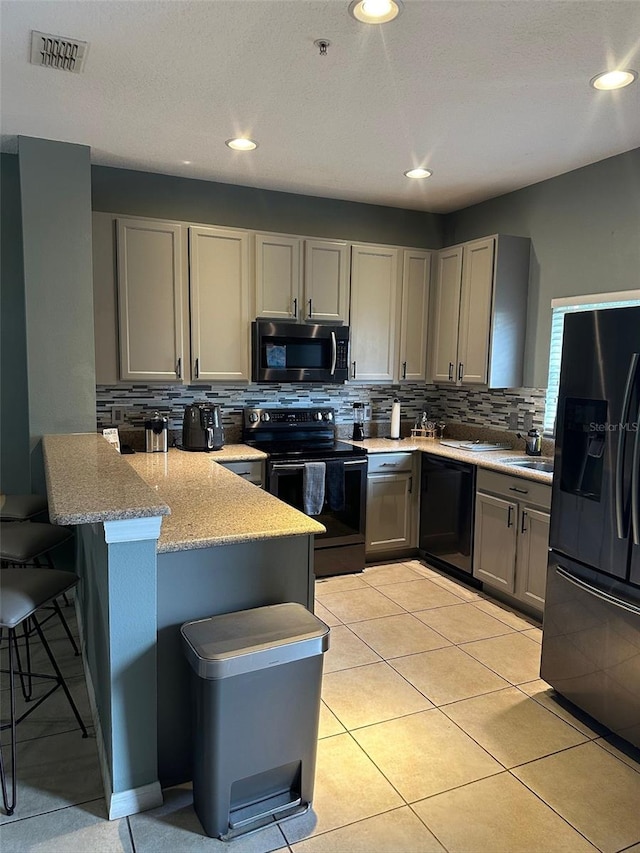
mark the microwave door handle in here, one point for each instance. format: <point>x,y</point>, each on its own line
<point>622,441</point>
<point>334,353</point>
<point>635,484</point>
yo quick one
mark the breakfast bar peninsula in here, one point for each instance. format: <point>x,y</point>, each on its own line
<point>162,539</point>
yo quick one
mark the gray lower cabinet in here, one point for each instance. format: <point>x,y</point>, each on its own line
<point>512,536</point>
<point>391,503</point>
<point>252,471</point>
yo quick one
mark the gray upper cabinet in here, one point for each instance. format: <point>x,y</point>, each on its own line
<point>277,276</point>
<point>375,295</point>
<point>301,280</point>
<point>326,281</point>
<point>152,282</point>
<point>416,275</point>
<point>171,301</point>
<point>220,312</point>
<point>480,313</point>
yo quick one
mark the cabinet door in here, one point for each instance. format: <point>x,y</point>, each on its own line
<point>416,275</point>
<point>219,261</point>
<point>475,312</point>
<point>533,556</point>
<point>278,276</point>
<point>446,306</point>
<point>495,541</point>
<point>151,262</point>
<point>374,301</point>
<point>389,505</point>
<point>326,281</point>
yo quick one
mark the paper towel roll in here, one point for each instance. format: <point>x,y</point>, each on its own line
<point>395,419</point>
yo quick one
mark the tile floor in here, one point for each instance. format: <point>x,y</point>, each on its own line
<point>436,734</point>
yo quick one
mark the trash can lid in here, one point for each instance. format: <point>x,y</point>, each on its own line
<point>250,640</point>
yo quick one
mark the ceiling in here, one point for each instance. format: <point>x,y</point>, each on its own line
<point>491,96</point>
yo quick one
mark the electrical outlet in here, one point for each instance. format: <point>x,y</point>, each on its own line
<point>513,420</point>
<point>527,421</point>
<point>367,411</point>
<point>117,414</point>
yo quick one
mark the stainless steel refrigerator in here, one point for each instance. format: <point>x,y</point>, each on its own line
<point>591,631</point>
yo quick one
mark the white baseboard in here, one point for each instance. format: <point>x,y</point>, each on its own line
<point>127,802</point>
<point>135,800</point>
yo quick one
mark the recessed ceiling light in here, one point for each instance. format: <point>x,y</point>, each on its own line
<point>241,144</point>
<point>375,11</point>
<point>614,79</point>
<point>418,173</point>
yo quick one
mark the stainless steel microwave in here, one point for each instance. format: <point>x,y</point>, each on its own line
<point>288,352</point>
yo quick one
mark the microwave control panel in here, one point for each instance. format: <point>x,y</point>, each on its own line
<point>342,355</point>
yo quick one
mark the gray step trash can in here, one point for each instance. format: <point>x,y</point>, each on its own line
<point>257,677</point>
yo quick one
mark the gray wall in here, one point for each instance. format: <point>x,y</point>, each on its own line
<point>14,407</point>
<point>55,191</point>
<point>585,233</point>
<point>166,197</point>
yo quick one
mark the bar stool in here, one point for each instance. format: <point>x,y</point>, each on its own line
<point>22,593</point>
<point>22,507</point>
<point>26,544</point>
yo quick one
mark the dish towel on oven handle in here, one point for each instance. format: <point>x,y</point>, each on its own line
<point>335,484</point>
<point>313,475</point>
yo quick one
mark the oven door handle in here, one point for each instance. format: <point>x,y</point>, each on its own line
<point>334,351</point>
<point>298,466</point>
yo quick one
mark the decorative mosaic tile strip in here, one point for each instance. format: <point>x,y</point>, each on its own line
<point>496,409</point>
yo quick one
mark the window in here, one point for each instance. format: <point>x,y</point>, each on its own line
<point>560,307</point>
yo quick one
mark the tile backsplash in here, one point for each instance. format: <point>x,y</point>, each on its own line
<point>498,409</point>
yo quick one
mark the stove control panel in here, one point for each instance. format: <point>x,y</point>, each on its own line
<point>282,418</point>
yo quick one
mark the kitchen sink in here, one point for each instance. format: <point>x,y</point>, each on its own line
<point>536,464</point>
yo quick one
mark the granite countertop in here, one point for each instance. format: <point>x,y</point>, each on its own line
<point>492,459</point>
<point>204,504</point>
<point>229,453</point>
<point>213,506</point>
<point>88,481</point>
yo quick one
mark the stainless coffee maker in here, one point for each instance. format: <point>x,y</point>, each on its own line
<point>156,434</point>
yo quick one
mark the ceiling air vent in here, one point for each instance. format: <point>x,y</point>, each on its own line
<point>59,52</point>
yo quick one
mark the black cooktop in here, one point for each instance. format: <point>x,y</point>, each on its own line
<point>296,433</point>
<point>308,450</point>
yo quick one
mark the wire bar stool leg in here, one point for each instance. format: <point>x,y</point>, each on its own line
<point>63,683</point>
<point>10,806</point>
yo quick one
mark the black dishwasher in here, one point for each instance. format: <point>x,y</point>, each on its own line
<point>447,501</point>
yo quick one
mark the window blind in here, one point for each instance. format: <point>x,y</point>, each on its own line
<point>559,308</point>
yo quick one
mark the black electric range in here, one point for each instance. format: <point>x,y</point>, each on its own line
<point>292,437</point>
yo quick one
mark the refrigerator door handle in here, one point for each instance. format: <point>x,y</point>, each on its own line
<point>635,485</point>
<point>597,593</point>
<point>624,422</point>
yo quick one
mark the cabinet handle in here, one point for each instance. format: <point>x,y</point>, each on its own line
<point>410,485</point>
<point>450,371</point>
<point>353,370</point>
<point>404,369</point>
<point>179,369</point>
<point>295,307</point>
<point>510,517</point>
<point>519,491</point>
<point>197,368</point>
<point>460,371</point>
<point>523,529</point>
<point>310,311</point>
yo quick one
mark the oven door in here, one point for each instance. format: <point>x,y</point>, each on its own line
<point>344,527</point>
